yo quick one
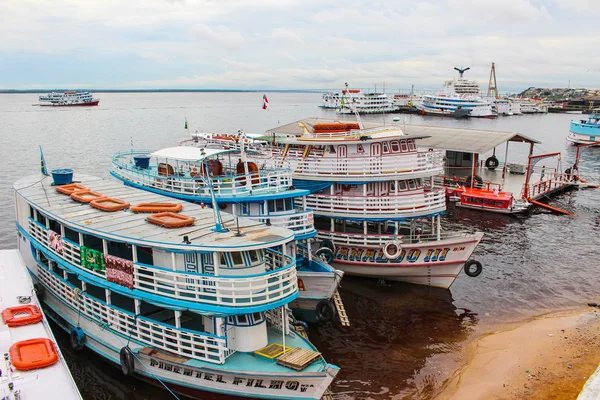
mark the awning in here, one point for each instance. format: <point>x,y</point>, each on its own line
<point>188,153</point>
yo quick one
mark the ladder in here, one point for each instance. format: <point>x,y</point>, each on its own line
<point>327,395</point>
<point>339,306</point>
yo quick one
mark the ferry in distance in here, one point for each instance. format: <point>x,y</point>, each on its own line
<point>67,99</point>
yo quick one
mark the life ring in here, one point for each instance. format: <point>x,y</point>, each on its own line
<point>325,311</point>
<point>21,315</point>
<point>329,244</point>
<point>469,271</point>
<point>345,188</point>
<point>127,361</point>
<point>32,354</point>
<point>77,339</point>
<point>491,163</point>
<point>392,250</point>
<point>325,253</point>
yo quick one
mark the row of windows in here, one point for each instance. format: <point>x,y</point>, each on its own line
<point>485,202</point>
<point>246,319</point>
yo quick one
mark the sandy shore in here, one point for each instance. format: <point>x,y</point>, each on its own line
<point>548,357</point>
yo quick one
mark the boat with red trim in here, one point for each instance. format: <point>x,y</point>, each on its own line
<point>67,99</point>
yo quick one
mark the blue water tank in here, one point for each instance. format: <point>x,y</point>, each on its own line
<point>62,176</point>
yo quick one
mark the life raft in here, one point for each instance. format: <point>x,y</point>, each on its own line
<point>156,207</point>
<point>392,250</point>
<point>86,195</point>
<point>70,188</point>
<point>170,220</point>
<point>33,354</point>
<point>21,315</point>
<point>252,169</point>
<point>109,204</point>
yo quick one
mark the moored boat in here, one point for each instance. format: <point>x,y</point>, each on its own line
<point>65,99</point>
<point>33,366</point>
<point>490,200</point>
<point>198,308</point>
<point>585,131</point>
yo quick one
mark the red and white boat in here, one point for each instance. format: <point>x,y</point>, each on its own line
<point>66,99</point>
<point>490,200</point>
<point>377,210</point>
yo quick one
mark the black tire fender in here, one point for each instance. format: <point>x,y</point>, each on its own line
<point>325,253</point>
<point>492,163</point>
<point>469,271</point>
<point>325,311</point>
<point>77,339</point>
<point>127,362</point>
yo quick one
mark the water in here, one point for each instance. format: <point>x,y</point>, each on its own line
<point>404,339</point>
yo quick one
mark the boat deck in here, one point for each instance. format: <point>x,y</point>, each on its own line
<point>250,362</point>
<point>53,382</point>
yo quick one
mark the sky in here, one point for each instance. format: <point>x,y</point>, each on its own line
<point>305,44</point>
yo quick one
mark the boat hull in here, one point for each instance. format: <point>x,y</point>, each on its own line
<point>435,263</point>
<point>91,103</point>
<point>497,210</point>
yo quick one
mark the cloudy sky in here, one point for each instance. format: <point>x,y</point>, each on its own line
<point>286,44</point>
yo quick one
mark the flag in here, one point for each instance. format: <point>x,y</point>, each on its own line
<point>185,126</point>
<point>43,163</point>
<point>265,102</point>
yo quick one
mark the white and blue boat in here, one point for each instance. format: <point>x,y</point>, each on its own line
<point>245,189</point>
<point>585,131</point>
<point>191,300</point>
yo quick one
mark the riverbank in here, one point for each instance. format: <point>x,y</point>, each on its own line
<point>548,357</point>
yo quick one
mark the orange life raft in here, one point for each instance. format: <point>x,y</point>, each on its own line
<point>156,207</point>
<point>86,195</point>
<point>69,189</point>
<point>109,204</point>
<point>170,220</point>
<point>21,315</point>
<point>33,354</point>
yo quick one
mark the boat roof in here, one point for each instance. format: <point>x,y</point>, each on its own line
<point>189,153</point>
<point>52,382</point>
<point>487,194</point>
<point>129,227</point>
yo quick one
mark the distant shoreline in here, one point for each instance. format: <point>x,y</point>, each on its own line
<point>11,91</point>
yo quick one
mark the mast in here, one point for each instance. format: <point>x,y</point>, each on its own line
<point>493,88</point>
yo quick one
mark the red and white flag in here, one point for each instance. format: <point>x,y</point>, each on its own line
<point>265,102</point>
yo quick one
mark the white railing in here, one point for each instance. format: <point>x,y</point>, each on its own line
<point>263,181</point>
<point>408,205</point>
<point>300,222</point>
<point>183,342</point>
<point>277,283</point>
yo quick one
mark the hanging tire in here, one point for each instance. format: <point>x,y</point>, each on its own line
<point>325,253</point>
<point>325,311</point>
<point>127,362</point>
<point>469,268</point>
<point>40,291</point>
<point>492,163</point>
<point>329,244</point>
<point>77,339</point>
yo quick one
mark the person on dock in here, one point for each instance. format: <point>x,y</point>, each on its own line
<point>575,172</point>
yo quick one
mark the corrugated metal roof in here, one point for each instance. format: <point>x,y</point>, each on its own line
<point>458,139</point>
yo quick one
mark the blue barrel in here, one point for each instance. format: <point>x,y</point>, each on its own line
<point>142,162</point>
<point>62,176</point>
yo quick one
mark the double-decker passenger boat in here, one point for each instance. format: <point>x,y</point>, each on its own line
<point>63,99</point>
<point>244,189</point>
<point>376,208</point>
<point>585,131</point>
<point>175,294</point>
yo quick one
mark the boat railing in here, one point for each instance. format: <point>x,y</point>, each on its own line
<point>300,222</point>
<point>538,189</point>
<point>277,283</point>
<point>183,342</point>
<point>263,181</point>
<point>371,206</point>
<point>455,182</point>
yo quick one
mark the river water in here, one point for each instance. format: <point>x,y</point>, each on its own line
<point>405,340</point>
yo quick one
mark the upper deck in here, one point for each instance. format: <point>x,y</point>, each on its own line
<point>134,229</point>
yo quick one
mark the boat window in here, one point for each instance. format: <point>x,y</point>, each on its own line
<point>74,280</point>
<point>359,148</point>
<point>392,186</point>
<point>411,184</point>
<point>41,219</point>
<point>404,145</point>
<point>386,147</point>
<point>223,260</point>
<point>55,226</point>
<point>395,146</point>
<point>31,212</point>
<point>242,319</point>
<point>93,242</point>
<point>119,249</point>
<point>144,255</point>
<point>419,182</point>
<point>96,291</point>
<point>237,259</point>
<point>501,204</point>
<point>402,185</point>
<point>71,235</point>
<point>257,317</point>
<point>331,149</point>
<point>411,145</point>
<point>253,256</point>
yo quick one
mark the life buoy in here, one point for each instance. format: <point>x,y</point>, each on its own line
<point>327,243</point>
<point>27,314</point>
<point>345,188</point>
<point>325,311</point>
<point>77,339</point>
<point>491,163</point>
<point>325,253</point>
<point>127,361</point>
<point>392,250</point>
<point>470,272</point>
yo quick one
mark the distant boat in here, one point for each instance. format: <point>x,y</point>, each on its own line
<point>585,132</point>
<point>66,99</point>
